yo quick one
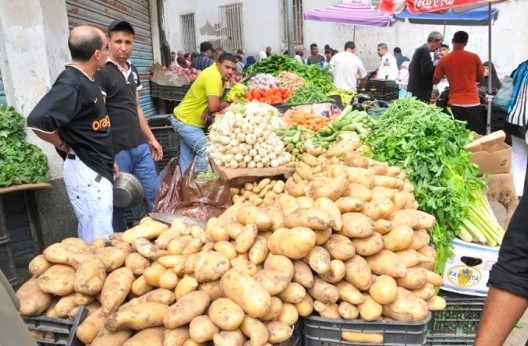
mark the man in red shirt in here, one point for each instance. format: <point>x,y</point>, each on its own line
<point>463,70</point>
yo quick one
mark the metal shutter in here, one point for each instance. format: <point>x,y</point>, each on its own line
<point>100,13</point>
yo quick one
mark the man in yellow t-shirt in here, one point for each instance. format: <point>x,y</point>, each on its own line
<point>202,99</point>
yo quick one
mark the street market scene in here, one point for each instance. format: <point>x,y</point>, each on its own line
<point>292,172</point>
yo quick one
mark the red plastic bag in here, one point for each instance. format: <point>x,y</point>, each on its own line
<point>190,195</point>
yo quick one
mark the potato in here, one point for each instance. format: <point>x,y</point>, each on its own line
<point>194,246</point>
<point>387,262</point>
<point>372,210</point>
<point>159,295</point>
<point>407,307</point>
<point>191,342</point>
<point>294,243</point>
<point>354,159</point>
<point>360,337</point>
<point>251,215</point>
<point>39,265</point>
<point>177,245</point>
<point>332,209</point>
<point>273,281</point>
<point>289,314</point>
<point>312,218</point>
<point>415,219</point>
<point>140,286</point>
<point>246,238</point>
<point>382,226</point>
<point>294,293</point>
<point>276,214</point>
<point>57,280</point>
<point>33,301</point>
<point>280,264</point>
<point>137,263</point>
<point>414,279</point>
<point>259,250</point>
<point>340,247</point>
<point>436,303</point>
<point>226,248</point>
<point>149,336</point>
<point>189,263</point>
<point>140,316</point>
<point>74,242</point>
<point>349,293</point>
<point>358,273</point>
<point>147,249</point>
<point>202,329</point>
<point>168,279</point>
<point>226,314</point>
<point>244,266</point>
<point>420,240</point>
<point>225,338</point>
<point>370,310</point>
<point>361,176</point>
<point>384,290</point>
<point>434,279</point>
<point>409,257</point>
<point>90,276</point>
<point>370,245</point>
<point>186,285</point>
<point>336,273</point>
<point>399,238</point>
<point>255,330</point>
<point>295,187</point>
<point>105,337</point>
<point>324,292</point>
<point>112,257</point>
<point>246,292</point>
<point>305,307</point>
<point>90,327</point>
<point>305,202</point>
<point>425,292</point>
<point>212,288</point>
<point>275,310</point>
<point>278,332</point>
<point>148,230</point>
<point>349,204</point>
<point>115,290</point>
<point>186,309</point>
<point>66,304</point>
<point>175,231</point>
<point>359,192</point>
<point>210,266</point>
<point>303,274</point>
<point>327,310</point>
<point>318,259</point>
<point>348,311</point>
<point>288,204</point>
<point>176,337</point>
<point>321,237</point>
<point>356,225</point>
<point>153,273</point>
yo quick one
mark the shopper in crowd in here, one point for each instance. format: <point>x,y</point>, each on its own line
<point>328,54</point>
<point>182,62</point>
<point>315,57</point>
<point>507,298</point>
<point>249,61</point>
<point>346,67</point>
<point>135,146</point>
<point>516,125</point>
<point>491,73</point>
<point>72,116</point>
<point>203,60</point>
<point>265,54</point>
<point>189,57</point>
<point>403,79</point>
<point>463,70</point>
<point>399,57</point>
<point>388,67</point>
<point>443,85</point>
<point>240,53</point>
<point>173,60</point>
<point>239,64</point>
<point>217,52</point>
<point>299,53</point>
<point>422,69</point>
<point>201,101</point>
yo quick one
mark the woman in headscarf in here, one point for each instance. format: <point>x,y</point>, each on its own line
<point>249,61</point>
<point>491,73</point>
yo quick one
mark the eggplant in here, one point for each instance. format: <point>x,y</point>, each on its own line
<point>383,103</point>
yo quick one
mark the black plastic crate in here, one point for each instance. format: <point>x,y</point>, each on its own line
<point>324,331</point>
<point>297,337</point>
<point>461,316</point>
<point>7,264</point>
<point>386,90</point>
<point>171,93</point>
<point>56,331</point>
<point>167,156</point>
<point>166,137</point>
<point>450,340</point>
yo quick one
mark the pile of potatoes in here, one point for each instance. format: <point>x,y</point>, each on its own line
<point>345,240</point>
<point>263,192</point>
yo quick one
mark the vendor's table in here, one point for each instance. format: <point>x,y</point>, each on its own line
<point>7,262</point>
<point>244,175</point>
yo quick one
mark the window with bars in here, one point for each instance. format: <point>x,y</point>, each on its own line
<point>298,19</point>
<point>188,32</point>
<point>231,29</point>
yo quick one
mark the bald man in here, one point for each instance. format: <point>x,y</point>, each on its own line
<point>72,116</point>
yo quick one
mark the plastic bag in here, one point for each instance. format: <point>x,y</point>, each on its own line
<point>504,95</point>
<point>192,196</point>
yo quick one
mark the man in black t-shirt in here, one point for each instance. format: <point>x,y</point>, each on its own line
<point>72,116</point>
<point>134,144</point>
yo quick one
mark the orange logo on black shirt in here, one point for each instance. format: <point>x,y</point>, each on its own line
<point>101,123</point>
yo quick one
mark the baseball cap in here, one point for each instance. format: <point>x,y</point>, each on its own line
<point>118,25</point>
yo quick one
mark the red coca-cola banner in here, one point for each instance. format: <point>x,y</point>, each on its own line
<point>420,6</point>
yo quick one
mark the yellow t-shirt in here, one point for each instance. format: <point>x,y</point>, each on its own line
<point>208,83</point>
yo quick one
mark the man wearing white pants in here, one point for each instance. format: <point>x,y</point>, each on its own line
<point>72,116</point>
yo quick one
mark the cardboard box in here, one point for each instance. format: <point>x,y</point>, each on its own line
<point>491,153</point>
<point>468,271</point>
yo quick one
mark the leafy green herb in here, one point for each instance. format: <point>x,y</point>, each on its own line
<point>11,123</point>
<point>206,175</point>
<point>429,146</point>
<point>308,94</point>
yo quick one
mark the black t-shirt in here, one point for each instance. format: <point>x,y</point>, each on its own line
<point>421,72</point>
<point>75,107</point>
<point>121,104</point>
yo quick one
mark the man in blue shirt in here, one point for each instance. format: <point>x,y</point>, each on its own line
<point>399,57</point>
<point>203,61</point>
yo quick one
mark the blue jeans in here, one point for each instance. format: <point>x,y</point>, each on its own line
<point>193,142</point>
<point>139,162</point>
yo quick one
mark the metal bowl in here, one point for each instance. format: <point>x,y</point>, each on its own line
<point>128,191</point>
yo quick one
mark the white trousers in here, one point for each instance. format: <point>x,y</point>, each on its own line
<point>91,197</point>
<point>519,161</point>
